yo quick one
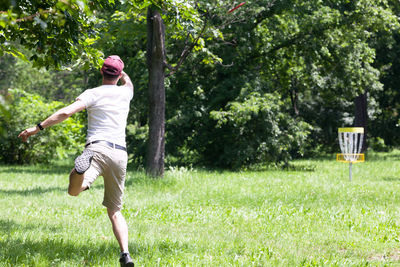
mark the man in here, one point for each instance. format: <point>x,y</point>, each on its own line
<point>105,153</point>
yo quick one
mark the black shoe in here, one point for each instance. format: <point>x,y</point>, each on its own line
<point>126,260</point>
<point>82,163</point>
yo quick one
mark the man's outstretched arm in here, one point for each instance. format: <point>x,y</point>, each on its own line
<point>57,117</point>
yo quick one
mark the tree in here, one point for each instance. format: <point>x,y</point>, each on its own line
<point>179,14</point>
<point>323,49</point>
<point>155,61</point>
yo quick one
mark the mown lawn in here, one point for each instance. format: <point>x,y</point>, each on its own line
<point>311,215</point>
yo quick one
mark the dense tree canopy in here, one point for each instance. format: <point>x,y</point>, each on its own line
<point>270,81</point>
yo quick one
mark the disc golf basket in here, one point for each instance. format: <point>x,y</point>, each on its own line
<point>351,142</point>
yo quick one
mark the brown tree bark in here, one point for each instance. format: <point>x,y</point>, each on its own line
<point>155,64</point>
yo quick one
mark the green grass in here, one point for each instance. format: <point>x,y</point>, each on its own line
<point>309,216</point>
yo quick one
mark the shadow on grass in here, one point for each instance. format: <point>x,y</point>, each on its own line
<point>38,169</point>
<point>373,156</point>
<point>9,226</point>
<point>32,191</point>
<point>391,179</point>
<point>289,168</point>
<point>133,179</point>
<point>301,168</point>
<point>395,156</point>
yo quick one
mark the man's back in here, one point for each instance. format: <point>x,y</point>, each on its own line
<point>108,108</point>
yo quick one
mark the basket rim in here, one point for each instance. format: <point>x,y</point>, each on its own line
<point>351,130</point>
<point>340,157</point>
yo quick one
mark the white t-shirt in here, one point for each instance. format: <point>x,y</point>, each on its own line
<point>108,108</point>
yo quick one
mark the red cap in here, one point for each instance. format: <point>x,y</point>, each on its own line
<point>113,65</point>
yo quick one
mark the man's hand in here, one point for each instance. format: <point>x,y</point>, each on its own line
<point>28,132</point>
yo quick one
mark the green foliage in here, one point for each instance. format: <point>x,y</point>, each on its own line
<point>4,113</point>
<point>136,138</point>
<point>378,144</point>
<point>59,32</point>
<point>385,122</point>
<point>52,85</point>
<point>321,55</point>
<point>26,110</point>
<point>258,130</point>
<point>316,55</point>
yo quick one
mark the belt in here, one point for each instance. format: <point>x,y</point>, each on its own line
<point>115,146</point>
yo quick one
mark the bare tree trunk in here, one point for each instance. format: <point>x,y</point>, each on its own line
<point>294,97</point>
<point>155,63</point>
<point>361,115</point>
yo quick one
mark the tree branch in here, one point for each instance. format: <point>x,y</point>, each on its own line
<point>30,17</point>
<point>187,49</point>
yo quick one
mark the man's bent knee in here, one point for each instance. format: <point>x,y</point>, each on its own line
<point>75,192</point>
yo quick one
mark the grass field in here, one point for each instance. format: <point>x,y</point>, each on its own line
<point>311,215</point>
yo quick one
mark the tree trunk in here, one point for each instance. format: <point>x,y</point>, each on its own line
<point>294,97</point>
<point>155,63</point>
<point>361,116</point>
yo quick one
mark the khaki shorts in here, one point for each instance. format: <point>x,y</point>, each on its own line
<point>111,164</point>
